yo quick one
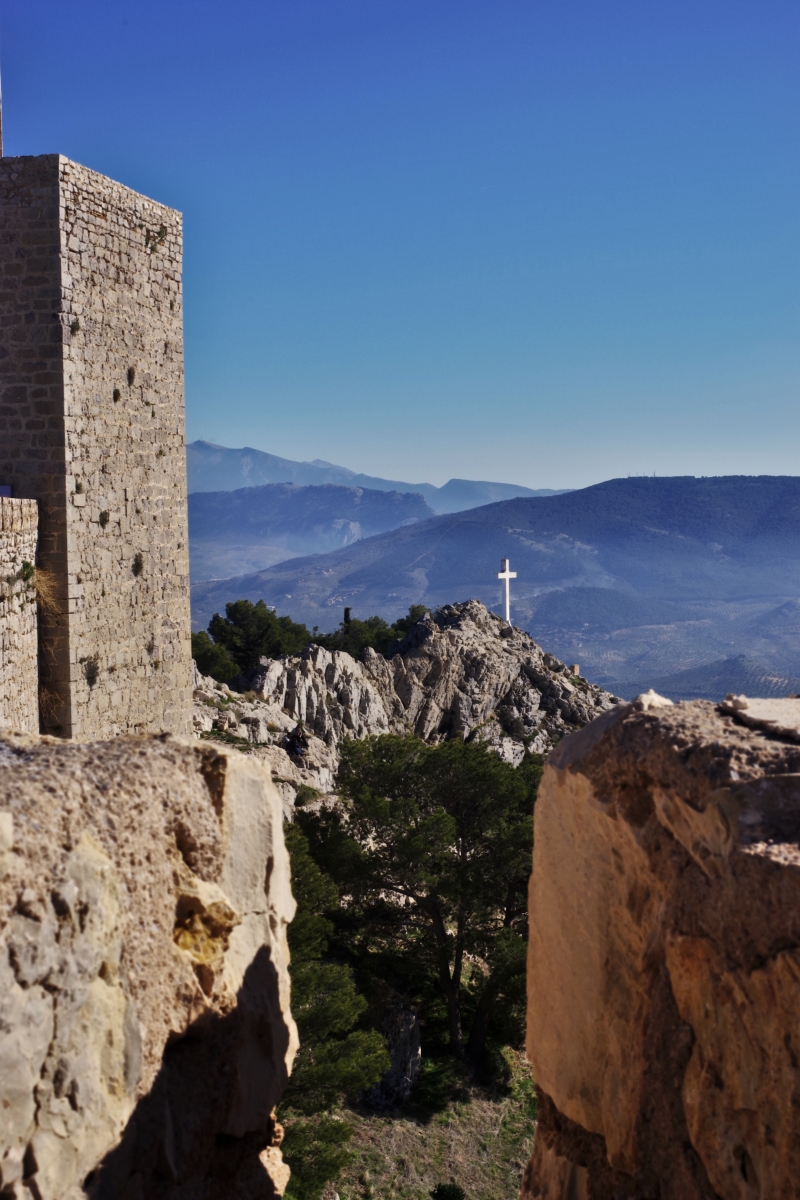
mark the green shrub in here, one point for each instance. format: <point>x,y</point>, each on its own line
<point>305,794</point>
<point>212,659</point>
<point>317,1151</point>
<point>249,631</point>
<point>448,1191</point>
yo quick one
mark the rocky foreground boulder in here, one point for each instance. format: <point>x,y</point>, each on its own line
<point>145,1032</point>
<point>460,672</point>
<point>664,961</point>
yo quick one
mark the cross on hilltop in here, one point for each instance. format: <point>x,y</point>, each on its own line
<point>506,576</point>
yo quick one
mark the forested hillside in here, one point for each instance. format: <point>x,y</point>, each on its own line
<point>409,783</point>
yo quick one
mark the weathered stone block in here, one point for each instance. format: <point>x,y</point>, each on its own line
<point>19,678</point>
<point>664,963</point>
<point>145,1033</point>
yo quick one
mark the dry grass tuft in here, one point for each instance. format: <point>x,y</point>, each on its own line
<point>46,594</point>
<point>48,703</point>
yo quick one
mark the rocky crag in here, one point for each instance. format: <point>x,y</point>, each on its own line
<point>460,672</point>
<point>145,1033</point>
<point>664,956</point>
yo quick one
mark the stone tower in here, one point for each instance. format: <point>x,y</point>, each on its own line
<point>92,427</point>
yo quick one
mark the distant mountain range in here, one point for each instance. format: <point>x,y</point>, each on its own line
<point>634,579</point>
<point>252,528</point>
<point>216,468</point>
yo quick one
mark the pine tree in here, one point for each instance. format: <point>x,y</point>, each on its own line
<point>336,1059</point>
<point>434,850</point>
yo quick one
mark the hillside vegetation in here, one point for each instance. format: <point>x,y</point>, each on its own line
<point>250,631</point>
<point>409,794</point>
<point>452,1132</point>
<point>412,901</point>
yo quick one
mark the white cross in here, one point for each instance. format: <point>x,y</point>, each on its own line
<point>506,575</point>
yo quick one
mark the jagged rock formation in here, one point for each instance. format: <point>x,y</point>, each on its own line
<point>145,1033</point>
<point>664,962</point>
<point>460,672</point>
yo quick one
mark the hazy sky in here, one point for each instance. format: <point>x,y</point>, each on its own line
<point>544,242</point>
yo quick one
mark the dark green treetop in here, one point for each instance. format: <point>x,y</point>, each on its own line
<point>336,1058</point>
<point>433,855</point>
<point>249,632</point>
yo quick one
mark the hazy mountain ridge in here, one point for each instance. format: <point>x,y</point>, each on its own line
<point>702,545</point>
<point>711,635</point>
<point>214,468</point>
<point>252,528</point>
<point>712,681</point>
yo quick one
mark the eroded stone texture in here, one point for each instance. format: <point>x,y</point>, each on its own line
<point>460,670</point>
<point>92,427</point>
<point>145,1034</point>
<point>19,676</point>
<point>664,962</point>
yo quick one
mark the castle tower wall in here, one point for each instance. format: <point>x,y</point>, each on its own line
<point>92,427</point>
<point>19,701</point>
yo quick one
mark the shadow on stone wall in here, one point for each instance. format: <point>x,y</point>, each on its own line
<point>204,1131</point>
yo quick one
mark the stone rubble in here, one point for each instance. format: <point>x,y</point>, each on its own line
<point>460,672</point>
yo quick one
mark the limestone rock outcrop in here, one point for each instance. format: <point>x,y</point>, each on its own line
<point>145,1032</point>
<point>456,671</point>
<point>664,961</point>
<point>460,671</point>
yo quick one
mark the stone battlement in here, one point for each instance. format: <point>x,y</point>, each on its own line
<point>92,427</point>
<point>19,702</point>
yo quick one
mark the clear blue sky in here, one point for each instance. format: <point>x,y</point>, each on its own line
<point>548,243</point>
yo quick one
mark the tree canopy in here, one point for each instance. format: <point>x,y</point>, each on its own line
<point>355,635</point>
<point>249,632</point>
<point>212,659</point>
<point>336,1058</point>
<point>432,854</point>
